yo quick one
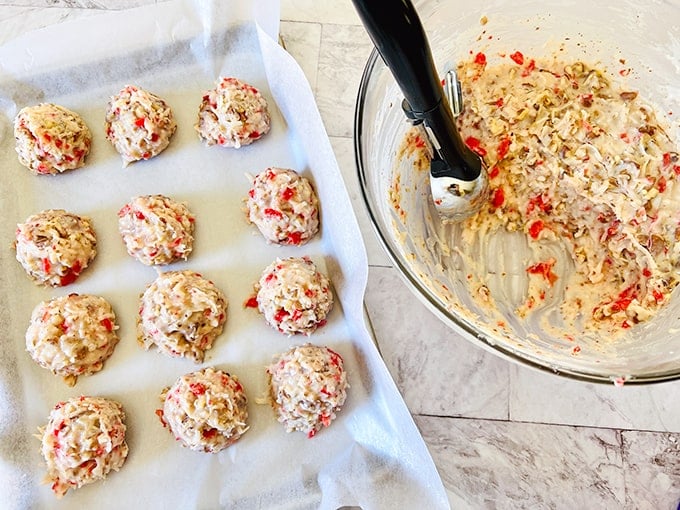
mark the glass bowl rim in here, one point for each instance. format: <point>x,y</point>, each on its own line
<point>424,294</point>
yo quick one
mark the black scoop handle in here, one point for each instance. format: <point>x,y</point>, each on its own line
<point>398,35</point>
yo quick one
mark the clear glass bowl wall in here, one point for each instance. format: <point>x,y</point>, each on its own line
<point>643,36</point>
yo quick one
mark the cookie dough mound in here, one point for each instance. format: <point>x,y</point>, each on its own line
<point>55,246</point>
<point>284,206</point>
<point>72,335</point>
<point>83,441</point>
<point>156,230</point>
<point>51,139</point>
<point>181,313</point>
<point>307,387</point>
<point>232,114</point>
<point>138,124</point>
<point>206,410</point>
<point>293,296</point>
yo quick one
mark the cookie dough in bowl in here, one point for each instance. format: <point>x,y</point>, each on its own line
<point>156,230</point>
<point>51,139</point>
<point>83,441</point>
<point>307,387</point>
<point>205,410</point>
<point>72,335</point>
<point>293,296</point>
<point>232,114</point>
<point>181,313</point>
<point>284,206</point>
<point>138,124</point>
<point>54,246</point>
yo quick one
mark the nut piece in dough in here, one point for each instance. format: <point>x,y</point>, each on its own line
<point>232,114</point>
<point>51,139</point>
<point>72,335</point>
<point>307,387</point>
<point>83,441</point>
<point>55,246</point>
<point>205,410</point>
<point>284,206</point>
<point>156,230</point>
<point>293,296</point>
<point>181,313</point>
<point>138,124</point>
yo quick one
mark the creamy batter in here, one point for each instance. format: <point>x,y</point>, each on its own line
<point>577,165</point>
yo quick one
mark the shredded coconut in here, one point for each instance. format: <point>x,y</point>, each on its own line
<point>293,296</point>
<point>308,386</point>
<point>156,230</point>
<point>72,335</point>
<point>206,410</point>
<point>51,139</point>
<point>83,441</point>
<point>181,313</point>
<point>284,206</point>
<point>232,114</point>
<point>55,246</point>
<point>139,124</point>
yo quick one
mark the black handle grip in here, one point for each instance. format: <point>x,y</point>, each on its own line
<point>398,35</point>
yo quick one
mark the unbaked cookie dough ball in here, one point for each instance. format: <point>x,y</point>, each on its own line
<point>307,387</point>
<point>83,441</point>
<point>51,139</point>
<point>55,246</point>
<point>156,230</point>
<point>206,410</point>
<point>72,335</point>
<point>138,124</point>
<point>293,296</point>
<point>284,206</point>
<point>181,313</point>
<point>232,114</point>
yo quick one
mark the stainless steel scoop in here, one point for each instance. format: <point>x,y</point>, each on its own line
<point>458,179</point>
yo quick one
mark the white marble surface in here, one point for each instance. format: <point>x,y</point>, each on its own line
<point>502,435</point>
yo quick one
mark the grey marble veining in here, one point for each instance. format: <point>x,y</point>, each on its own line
<point>545,398</point>
<point>438,372</point>
<point>303,40</point>
<point>506,465</point>
<point>344,51</point>
<point>651,470</point>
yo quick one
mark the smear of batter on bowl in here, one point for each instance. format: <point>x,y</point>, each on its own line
<point>574,160</point>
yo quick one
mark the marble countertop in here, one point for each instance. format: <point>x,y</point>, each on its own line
<point>502,435</point>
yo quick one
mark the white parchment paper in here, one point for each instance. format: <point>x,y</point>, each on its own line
<point>372,456</point>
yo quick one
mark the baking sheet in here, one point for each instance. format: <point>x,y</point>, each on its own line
<point>372,456</point>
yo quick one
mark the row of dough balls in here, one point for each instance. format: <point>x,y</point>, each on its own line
<point>51,139</point>
<point>84,438</point>
<point>181,313</point>
<point>55,246</point>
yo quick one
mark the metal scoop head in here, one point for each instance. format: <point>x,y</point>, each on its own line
<point>459,183</point>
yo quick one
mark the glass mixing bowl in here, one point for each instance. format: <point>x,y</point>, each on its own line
<point>636,42</point>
